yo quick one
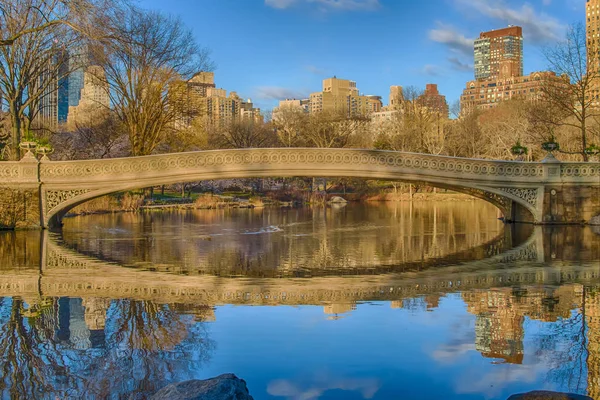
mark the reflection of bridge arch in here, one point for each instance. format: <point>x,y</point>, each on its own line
<point>517,188</point>
<point>65,272</point>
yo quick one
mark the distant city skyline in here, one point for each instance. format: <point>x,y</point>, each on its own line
<point>268,50</point>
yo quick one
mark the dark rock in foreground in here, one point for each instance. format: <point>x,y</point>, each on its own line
<point>223,387</point>
<point>546,395</point>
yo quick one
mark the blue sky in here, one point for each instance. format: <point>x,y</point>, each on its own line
<point>273,49</point>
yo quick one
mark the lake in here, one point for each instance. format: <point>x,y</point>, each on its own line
<point>422,300</point>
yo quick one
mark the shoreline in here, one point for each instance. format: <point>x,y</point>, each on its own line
<point>220,205</point>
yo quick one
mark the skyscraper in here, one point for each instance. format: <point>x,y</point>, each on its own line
<point>52,106</point>
<point>79,60</point>
<point>499,53</point>
<point>592,31</point>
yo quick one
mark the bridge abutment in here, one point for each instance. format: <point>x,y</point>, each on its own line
<point>20,206</point>
<point>571,204</point>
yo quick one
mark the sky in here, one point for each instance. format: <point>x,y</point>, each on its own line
<point>269,50</point>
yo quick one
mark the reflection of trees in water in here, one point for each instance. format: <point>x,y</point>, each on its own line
<point>145,346</point>
<point>268,242</point>
<point>568,343</point>
<point>19,249</point>
<point>32,362</point>
<point>576,364</point>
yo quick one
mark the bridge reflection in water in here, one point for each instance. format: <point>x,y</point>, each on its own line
<point>59,303</point>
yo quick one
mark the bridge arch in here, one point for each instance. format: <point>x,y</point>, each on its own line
<point>513,187</point>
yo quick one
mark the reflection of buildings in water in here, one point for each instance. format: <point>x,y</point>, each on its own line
<point>500,336</point>
<point>397,304</point>
<point>433,301</point>
<point>73,325</point>
<point>95,312</point>
<point>335,309</point>
<point>592,315</point>
<point>500,314</point>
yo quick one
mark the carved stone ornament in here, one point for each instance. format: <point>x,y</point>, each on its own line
<point>56,197</point>
<point>529,195</point>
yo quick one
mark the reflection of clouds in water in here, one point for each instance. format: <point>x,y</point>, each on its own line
<point>447,354</point>
<point>450,352</point>
<point>488,381</point>
<point>308,391</point>
<point>499,377</point>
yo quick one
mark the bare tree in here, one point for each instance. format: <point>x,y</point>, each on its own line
<point>89,140</point>
<point>577,104</point>
<point>34,64</point>
<point>242,134</point>
<point>288,123</point>
<point>35,39</point>
<point>326,129</point>
<point>143,70</point>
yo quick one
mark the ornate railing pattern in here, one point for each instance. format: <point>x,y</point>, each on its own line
<point>67,183</point>
<point>292,158</point>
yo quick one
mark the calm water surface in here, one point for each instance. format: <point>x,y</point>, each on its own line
<point>423,301</point>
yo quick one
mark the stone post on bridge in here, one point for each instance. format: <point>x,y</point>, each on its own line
<point>20,197</point>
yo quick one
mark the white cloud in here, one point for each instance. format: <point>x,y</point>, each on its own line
<point>538,28</point>
<point>457,42</point>
<point>279,93</point>
<point>327,5</point>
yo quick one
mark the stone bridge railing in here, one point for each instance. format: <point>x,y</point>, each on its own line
<point>533,192</point>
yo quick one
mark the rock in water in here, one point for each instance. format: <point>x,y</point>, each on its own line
<point>223,387</point>
<point>337,199</point>
<point>545,395</point>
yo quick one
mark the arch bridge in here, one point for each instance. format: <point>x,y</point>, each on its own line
<point>532,192</point>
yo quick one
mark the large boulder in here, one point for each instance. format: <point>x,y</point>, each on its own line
<point>223,387</point>
<point>337,199</point>
<point>546,395</point>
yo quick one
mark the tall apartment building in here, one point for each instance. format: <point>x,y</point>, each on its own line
<point>342,96</point>
<point>487,94</point>
<point>201,98</point>
<point>294,104</point>
<point>94,99</point>
<point>396,97</point>
<point>250,113</point>
<point>200,82</point>
<point>592,30</point>
<point>499,72</point>
<point>499,54</point>
<point>53,105</point>
<point>433,100</point>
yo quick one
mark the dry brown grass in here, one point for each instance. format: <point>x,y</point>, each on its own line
<point>208,201</point>
<point>132,202</point>
<point>257,201</point>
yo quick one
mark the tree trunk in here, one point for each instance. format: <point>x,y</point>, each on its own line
<point>16,134</point>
